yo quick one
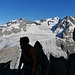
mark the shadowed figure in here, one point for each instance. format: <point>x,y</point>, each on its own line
<point>28,57</point>
<point>43,67</point>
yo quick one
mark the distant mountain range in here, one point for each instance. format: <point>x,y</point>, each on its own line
<point>54,34</point>
<point>63,28</point>
<point>56,23</point>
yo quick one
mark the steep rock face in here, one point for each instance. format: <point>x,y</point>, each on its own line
<point>14,26</point>
<point>72,19</point>
<point>64,31</point>
<point>70,22</point>
<point>23,24</point>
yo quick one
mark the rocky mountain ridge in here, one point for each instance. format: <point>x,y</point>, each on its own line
<point>54,34</point>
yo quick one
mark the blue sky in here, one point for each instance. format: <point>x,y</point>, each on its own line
<point>35,9</point>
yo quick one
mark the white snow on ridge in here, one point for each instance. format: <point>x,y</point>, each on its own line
<point>9,28</point>
<point>38,21</point>
<point>52,21</point>
<point>3,25</point>
<point>70,22</point>
<point>15,26</point>
<point>48,19</point>
<point>71,28</point>
<point>72,17</point>
<point>13,20</point>
<point>58,31</point>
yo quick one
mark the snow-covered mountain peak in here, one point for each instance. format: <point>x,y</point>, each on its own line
<point>57,18</point>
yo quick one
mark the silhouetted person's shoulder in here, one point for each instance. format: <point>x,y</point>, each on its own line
<point>32,50</point>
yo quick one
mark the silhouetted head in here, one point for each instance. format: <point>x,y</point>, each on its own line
<point>24,42</point>
<point>37,44</point>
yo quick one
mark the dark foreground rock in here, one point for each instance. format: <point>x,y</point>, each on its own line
<point>9,59</point>
<point>62,66</point>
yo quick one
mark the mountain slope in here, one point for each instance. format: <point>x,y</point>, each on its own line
<point>40,30</point>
